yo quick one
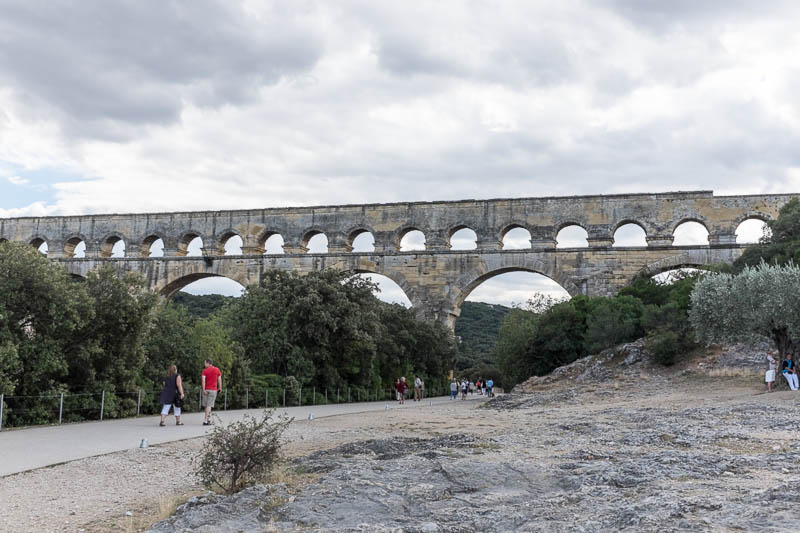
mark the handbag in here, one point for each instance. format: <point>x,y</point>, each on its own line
<point>177,401</point>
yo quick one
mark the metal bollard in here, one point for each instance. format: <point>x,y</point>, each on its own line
<point>102,405</point>
<point>139,403</point>
<point>60,408</point>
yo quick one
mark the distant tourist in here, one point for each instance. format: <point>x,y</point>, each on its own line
<point>464,389</point>
<point>770,375</point>
<point>478,386</point>
<point>453,389</point>
<point>171,395</point>
<point>417,389</point>
<point>421,390</point>
<point>490,387</point>
<point>397,390</point>
<point>211,381</point>
<point>789,371</point>
<point>401,387</point>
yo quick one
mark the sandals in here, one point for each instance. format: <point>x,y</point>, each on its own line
<point>162,424</point>
<point>178,423</point>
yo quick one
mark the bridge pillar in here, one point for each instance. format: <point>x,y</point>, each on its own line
<point>384,242</point>
<point>543,237</point>
<point>660,240</point>
<point>436,241</point>
<point>294,246</point>
<point>722,237</point>
<point>599,237</point>
<point>337,243</point>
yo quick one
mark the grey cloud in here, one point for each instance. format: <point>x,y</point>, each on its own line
<point>138,62</point>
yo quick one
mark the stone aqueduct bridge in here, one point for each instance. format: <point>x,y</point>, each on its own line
<point>436,280</point>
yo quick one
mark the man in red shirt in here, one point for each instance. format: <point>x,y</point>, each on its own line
<point>211,379</point>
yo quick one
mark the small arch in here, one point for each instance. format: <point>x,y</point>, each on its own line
<point>463,238</point>
<point>232,245</point>
<point>361,240</point>
<point>203,283</point>
<point>751,230</point>
<point>273,244</point>
<point>40,243</point>
<point>572,235</point>
<point>113,245</point>
<point>153,246</point>
<point>229,242</point>
<point>690,233</point>
<point>516,238</point>
<point>630,233</point>
<point>411,239</point>
<point>315,241</point>
<point>75,246</point>
<point>190,244</point>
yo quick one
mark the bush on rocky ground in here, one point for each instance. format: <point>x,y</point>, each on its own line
<point>241,453</point>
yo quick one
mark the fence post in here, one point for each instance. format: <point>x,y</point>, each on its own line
<point>226,400</point>
<point>1,410</point>
<point>284,396</point>
<point>326,395</point>
<point>102,405</point>
<point>139,403</point>
<point>247,398</point>
<point>337,394</point>
<point>358,395</point>
<point>300,398</point>
<point>313,396</point>
<point>200,399</point>
<point>60,408</point>
<point>348,394</point>
<point>266,397</point>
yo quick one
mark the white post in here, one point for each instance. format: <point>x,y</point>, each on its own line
<point>102,404</point>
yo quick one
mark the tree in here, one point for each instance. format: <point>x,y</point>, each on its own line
<point>759,302</point>
<point>612,321</point>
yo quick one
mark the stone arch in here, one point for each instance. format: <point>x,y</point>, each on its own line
<point>405,230</point>
<point>147,243</point>
<point>451,232</point>
<point>38,240</point>
<point>310,234</point>
<point>514,224</point>
<point>263,236</point>
<point>357,231</point>
<point>689,259</point>
<point>570,224</point>
<point>409,289</point>
<point>703,221</point>
<point>628,222</point>
<point>182,281</point>
<point>185,238</point>
<point>71,242</point>
<point>224,237</point>
<point>108,242</point>
<point>750,215</point>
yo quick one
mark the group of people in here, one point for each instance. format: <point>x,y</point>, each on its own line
<point>788,370</point>
<point>470,387</point>
<point>172,394</point>
<point>401,389</point>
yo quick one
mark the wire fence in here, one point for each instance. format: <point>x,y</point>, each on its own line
<point>65,407</point>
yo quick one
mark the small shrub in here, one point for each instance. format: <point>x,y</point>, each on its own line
<point>241,453</point>
<point>665,347</point>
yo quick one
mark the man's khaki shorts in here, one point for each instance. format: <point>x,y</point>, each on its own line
<point>209,396</point>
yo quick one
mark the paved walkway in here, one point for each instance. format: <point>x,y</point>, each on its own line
<point>26,449</point>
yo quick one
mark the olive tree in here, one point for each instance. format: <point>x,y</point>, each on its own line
<point>761,301</point>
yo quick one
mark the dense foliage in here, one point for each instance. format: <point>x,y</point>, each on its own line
<point>543,335</point>
<point>476,331</point>
<point>202,305</point>
<point>758,302</point>
<point>323,330</point>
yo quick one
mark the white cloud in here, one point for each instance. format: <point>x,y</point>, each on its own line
<point>248,104</point>
<point>16,180</point>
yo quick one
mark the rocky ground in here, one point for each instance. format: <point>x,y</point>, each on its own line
<point>634,448</point>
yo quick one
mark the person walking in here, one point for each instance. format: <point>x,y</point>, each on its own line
<point>171,395</point>
<point>401,387</point>
<point>417,389</point>
<point>453,389</point>
<point>211,381</point>
<point>463,389</point>
<point>490,387</point>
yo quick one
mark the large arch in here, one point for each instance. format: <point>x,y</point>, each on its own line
<point>176,285</point>
<point>186,239</point>
<point>72,242</point>
<point>694,259</point>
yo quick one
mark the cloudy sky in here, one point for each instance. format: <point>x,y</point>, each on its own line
<point>120,106</point>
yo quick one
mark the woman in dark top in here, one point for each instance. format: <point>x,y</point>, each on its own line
<point>172,395</point>
<point>789,371</point>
